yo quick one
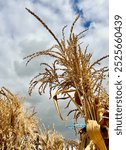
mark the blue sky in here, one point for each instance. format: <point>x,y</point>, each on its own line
<point>21,34</point>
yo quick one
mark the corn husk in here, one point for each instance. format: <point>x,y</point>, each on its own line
<point>93,129</point>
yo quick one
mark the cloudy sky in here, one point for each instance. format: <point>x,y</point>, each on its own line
<point>21,34</point>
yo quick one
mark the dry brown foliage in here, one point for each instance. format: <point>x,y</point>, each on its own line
<point>71,72</point>
<point>51,140</point>
<point>74,78</point>
<point>19,130</point>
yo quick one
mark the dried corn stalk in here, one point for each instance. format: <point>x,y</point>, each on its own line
<point>18,130</point>
<point>72,76</point>
<point>51,140</point>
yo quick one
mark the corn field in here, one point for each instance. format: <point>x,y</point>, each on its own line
<point>73,79</point>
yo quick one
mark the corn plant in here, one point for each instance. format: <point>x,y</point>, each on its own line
<point>20,129</point>
<point>74,79</point>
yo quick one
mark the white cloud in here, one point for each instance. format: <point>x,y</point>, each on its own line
<point>95,10</point>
